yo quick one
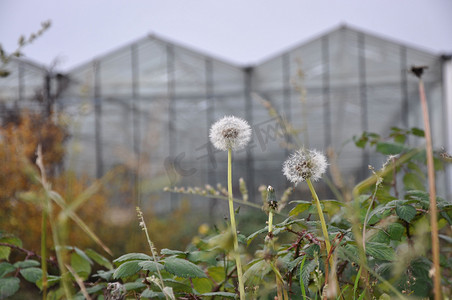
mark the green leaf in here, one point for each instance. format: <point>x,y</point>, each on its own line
<point>380,236</point>
<point>150,266</point>
<point>166,251</point>
<point>208,257</point>
<point>222,295</point>
<point>421,196</point>
<point>413,182</point>
<point>127,269</point>
<point>406,212</point>
<point>399,138</point>
<point>132,286</point>
<point>5,250</point>
<point>6,268</point>
<point>380,251</point>
<point>216,273</point>
<point>132,256</point>
<point>96,288</point>
<point>80,265</point>
<point>332,206</point>
<point>51,280</point>
<point>390,148</point>
<point>417,132</point>
<point>251,237</point>
<point>202,285</point>
<point>8,286</point>
<point>101,260</point>
<point>300,207</point>
<point>27,264</point>
<point>149,294</point>
<point>104,275</point>
<point>177,286</point>
<point>256,272</point>
<point>31,274</point>
<point>396,231</point>
<point>183,268</point>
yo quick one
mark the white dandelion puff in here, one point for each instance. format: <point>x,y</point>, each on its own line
<point>230,133</point>
<point>304,164</point>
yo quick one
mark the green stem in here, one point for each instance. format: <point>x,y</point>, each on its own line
<point>44,252</point>
<point>322,220</point>
<point>234,228</point>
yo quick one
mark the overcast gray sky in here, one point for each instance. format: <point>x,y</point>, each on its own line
<point>239,31</point>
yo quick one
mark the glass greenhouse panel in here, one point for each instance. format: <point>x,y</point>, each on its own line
<point>149,106</point>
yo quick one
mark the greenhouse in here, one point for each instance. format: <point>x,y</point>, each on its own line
<point>148,107</point>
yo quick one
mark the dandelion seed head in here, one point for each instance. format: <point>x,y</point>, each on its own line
<point>304,164</point>
<point>230,133</point>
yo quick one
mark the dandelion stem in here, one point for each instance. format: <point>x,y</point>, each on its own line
<point>322,219</point>
<point>270,221</point>
<point>234,228</point>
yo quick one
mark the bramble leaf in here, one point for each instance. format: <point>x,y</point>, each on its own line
<point>183,268</point>
<point>127,269</point>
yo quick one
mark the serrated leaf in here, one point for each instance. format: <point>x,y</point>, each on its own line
<point>256,272</point>
<point>8,286</point>
<point>177,286</point>
<point>5,250</point>
<point>80,265</point>
<point>390,148</point>
<point>216,273</point>
<point>331,206</point>
<point>183,268</point>
<point>406,212</point>
<point>27,264</point>
<point>220,294</point>
<point>252,236</point>
<point>396,231</point>
<point>31,274</point>
<point>166,251</point>
<point>417,132</point>
<point>97,288</point>
<point>132,286</point>
<point>132,256</point>
<point>150,266</point>
<point>300,207</point>
<point>104,275</point>
<point>380,251</point>
<point>149,294</point>
<point>127,269</point>
<point>202,256</point>
<point>202,285</point>
<point>380,236</point>
<point>413,182</point>
<point>101,260</point>
<point>6,268</point>
<point>399,138</point>
<point>421,196</point>
<point>51,280</point>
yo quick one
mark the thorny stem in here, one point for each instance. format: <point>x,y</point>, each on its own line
<point>234,228</point>
<point>151,246</point>
<point>367,213</point>
<point>322,218</point>
<point>432,189</point>
<point>28,253</point>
